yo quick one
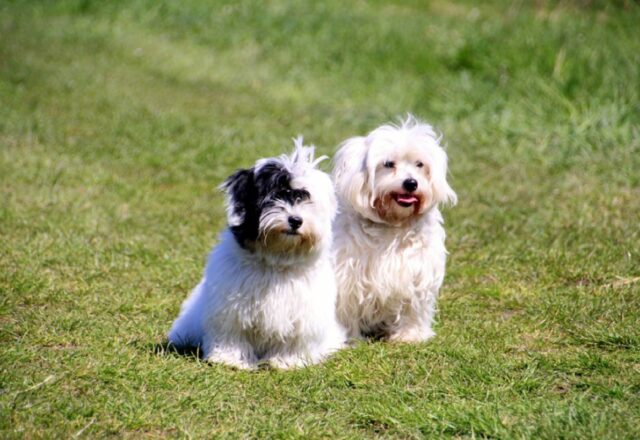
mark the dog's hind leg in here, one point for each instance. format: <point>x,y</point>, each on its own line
<point>187,330</point>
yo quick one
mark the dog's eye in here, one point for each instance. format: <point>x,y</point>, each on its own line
<point>283,194</point>
<point>389,164</point>
<point>419,164</point>
<point>300,195</point>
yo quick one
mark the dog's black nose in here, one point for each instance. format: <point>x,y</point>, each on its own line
<point>295,222</point>
<point>410,184</point>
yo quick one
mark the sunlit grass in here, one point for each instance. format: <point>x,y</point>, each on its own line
<point>119,119</point>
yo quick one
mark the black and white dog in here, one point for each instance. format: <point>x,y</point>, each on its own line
<point>269,291</point>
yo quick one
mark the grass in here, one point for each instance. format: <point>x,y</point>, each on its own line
<point>118,120</point>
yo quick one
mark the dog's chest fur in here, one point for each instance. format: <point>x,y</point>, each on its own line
<point>268,306</point>
<point>387,268</point>
<point>271,308</point>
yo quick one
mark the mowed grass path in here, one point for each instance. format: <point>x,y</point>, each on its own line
<point>119,119</point>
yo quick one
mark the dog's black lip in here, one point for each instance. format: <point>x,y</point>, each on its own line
<point>404,205</point>
<point>291,232</point>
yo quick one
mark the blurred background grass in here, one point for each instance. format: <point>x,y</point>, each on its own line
<point>118,119</point>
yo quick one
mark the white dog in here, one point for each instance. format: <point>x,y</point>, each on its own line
<point>269,289</point>
<point>389,239</point>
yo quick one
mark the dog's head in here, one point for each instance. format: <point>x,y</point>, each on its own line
<point>394,174</point>
<point>282,205</point>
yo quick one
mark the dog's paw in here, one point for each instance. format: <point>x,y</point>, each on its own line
<point>411,335</point>
<point>231,358</point>
<point>289,362</point>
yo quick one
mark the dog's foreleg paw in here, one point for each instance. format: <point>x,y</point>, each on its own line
<point>289,362</point>
<point>232,358</point>
<point>411,335</point>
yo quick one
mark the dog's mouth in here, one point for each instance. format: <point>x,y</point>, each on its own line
<point>406,200</point>
<point>290,232</point>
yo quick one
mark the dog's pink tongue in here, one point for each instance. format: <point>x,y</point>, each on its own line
<point>407,198</point>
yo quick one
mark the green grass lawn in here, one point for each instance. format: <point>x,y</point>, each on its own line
<point>119,119</point>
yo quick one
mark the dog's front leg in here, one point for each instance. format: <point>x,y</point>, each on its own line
<point>289,361</point>
<point>237,353</point>
<point>411,333</point>
<point>415,323</point>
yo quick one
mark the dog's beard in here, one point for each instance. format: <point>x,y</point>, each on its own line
<point>398,207</point>
<point>277,237</point>
<point>282,240</point>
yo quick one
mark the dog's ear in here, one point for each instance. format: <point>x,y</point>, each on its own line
<point>242,200</point>
<point>442,192</point>
<point>351,176</point>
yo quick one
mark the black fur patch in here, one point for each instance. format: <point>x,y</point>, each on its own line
<point>293,196</point>
<point>243,198</point>
<point>251,192</point>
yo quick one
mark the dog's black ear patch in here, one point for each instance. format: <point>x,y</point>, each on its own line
<point>242,214</point>
<point>251,191</point>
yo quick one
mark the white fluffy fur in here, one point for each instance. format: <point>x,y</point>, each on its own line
<point>390,258</point>
<point>274,303</point>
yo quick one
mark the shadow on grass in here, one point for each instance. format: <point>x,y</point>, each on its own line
<point>375,335</point>
<point>167,348</point>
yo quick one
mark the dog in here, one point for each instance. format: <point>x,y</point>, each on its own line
<point>389,235</point>
<point>268,294</point>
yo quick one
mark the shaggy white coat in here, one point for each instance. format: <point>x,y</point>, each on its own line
<point>389,243</point>
<point>274,302</point>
